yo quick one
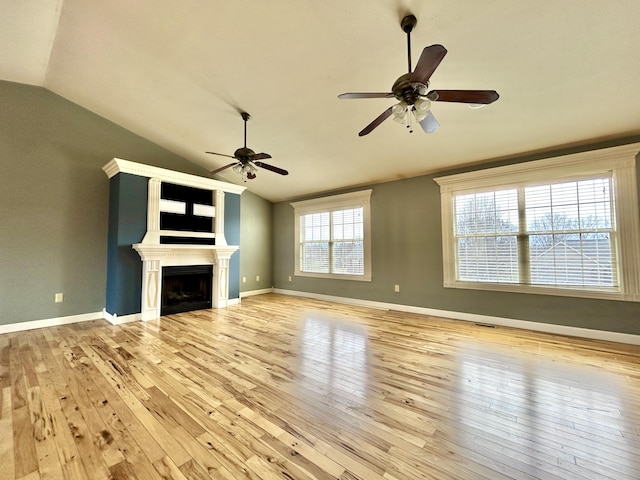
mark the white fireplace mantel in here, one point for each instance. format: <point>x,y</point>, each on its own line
<point>155,255</point>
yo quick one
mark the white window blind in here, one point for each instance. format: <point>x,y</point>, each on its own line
<point>332,238</point>
<point>560,226</point>
<point>347,252</point>
<point>486,233</point>
<point>572,237</point>
<point>314,241</point>
<point>554,234</point>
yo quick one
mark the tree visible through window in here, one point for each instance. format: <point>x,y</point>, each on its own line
<point>553,234</point>
<point>487,226</point>
<point>567,225</point>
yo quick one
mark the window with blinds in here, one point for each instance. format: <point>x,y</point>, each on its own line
<point>558,234</point>
<point>331,236</point>
<point>560,226</point>
<point>332,242</point>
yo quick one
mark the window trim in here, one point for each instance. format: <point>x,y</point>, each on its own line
<point>619,161</point>
<point>343,201</point>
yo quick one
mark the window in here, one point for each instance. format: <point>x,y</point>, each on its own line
<point>332,236</point>
<point>560,226</point>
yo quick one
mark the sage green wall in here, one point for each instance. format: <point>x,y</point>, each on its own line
<point>53,228</point>
<point>407,250</point>
<point>54,201</point>
<point>256,257</point>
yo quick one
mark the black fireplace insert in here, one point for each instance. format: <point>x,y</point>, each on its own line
<point>186,288</point>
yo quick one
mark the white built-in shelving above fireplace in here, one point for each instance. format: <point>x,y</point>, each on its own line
<point>164,246</point>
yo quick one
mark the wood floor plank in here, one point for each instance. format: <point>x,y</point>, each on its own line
<point>7,453</point>
<point>287,388</point>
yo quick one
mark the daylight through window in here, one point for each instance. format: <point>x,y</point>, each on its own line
<point>566,226</point>
<point>332,236</point>
<point>553,234</point>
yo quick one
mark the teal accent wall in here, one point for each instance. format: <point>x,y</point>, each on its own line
<point>407,251</point>
<point>127,225</point>
<point>232,235</point>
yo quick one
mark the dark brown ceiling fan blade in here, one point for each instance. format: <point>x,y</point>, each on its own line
<point>480,97</point>
<point>429,60</point>
<point>221,154</point>
<point>259,156</point>
<point>343,96</point>
<point>223,168</point>
<point>429,124</point>
<point>271,168</point>
<point>381,118</point>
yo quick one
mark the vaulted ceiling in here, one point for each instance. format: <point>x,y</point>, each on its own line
<point>179,73</point>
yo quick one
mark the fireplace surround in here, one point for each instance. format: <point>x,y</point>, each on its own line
<point>185,228</point>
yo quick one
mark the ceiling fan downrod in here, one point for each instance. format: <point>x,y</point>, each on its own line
<point>245,117</point>
<point>408,24</point>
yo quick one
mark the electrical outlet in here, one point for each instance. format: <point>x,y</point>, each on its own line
<point>396,288</point>
<point>289,277</point>
<point>257,278</point>
<point>59,297</point>
<point>244,279</point>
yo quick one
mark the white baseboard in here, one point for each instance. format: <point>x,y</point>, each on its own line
<point>114,319</point>
<point>50,322</point>
<point>476,318</point>
<point>467,317</point>
<point>256,292</point>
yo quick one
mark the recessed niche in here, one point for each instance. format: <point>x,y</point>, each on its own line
<point>186,209</point>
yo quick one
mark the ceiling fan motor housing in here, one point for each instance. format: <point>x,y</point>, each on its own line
<point>406,91</point>
<point>243,154</point>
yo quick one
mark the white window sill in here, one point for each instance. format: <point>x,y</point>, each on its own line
<point>583,292</point>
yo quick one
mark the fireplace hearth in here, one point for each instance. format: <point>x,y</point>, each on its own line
<point>186,288</point>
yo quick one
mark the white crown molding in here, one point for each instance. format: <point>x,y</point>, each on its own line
<point>477,318</point>
<point>333,201</point>
<point>118,165</point>
<point>595,161</point>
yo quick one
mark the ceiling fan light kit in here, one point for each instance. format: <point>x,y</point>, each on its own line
<point>246,159</point>
<point>411,90</point>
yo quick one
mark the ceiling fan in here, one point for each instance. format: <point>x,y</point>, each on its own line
<point>246,159</point>
<point>411,90</point>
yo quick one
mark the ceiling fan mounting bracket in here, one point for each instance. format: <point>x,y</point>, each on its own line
<point>245,116</point>
<point>408,23</point>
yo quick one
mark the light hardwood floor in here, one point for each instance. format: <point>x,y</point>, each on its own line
<point>288,388</point>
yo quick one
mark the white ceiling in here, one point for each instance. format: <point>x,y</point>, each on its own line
<point>178,73</point>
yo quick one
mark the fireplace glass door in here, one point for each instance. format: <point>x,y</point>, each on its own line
<point>186,288</point>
